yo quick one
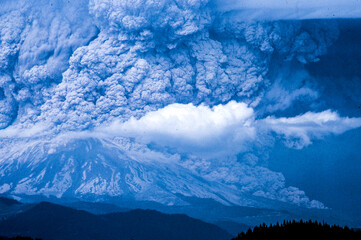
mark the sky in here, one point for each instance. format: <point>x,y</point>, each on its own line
<point>243,86</point>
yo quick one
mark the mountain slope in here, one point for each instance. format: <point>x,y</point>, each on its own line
<point>99,169</point>
<point>70,169</point>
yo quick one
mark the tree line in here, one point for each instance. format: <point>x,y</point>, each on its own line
<point>299,229</point>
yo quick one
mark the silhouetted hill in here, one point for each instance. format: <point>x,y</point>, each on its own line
<point>50,221</point>
<point>18,238</point>
<point>299,230</point>
<point>232,227</point>
<point>10,206</point>
<point>95,207</point>
<point>162,226</point>
<point>8,201</point>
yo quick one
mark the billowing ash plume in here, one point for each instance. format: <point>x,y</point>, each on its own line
<point>37,40</point>
<point>146,56</point>
<point>141,69</point>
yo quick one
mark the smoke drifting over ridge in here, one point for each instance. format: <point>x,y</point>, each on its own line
<point>125,66</point>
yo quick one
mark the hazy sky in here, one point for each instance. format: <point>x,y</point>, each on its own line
<point>295,9</point>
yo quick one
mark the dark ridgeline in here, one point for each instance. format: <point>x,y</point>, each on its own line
<point>50,221</point>
<point>18,238</point>
<point>8,201</point>
<point>299,230</point>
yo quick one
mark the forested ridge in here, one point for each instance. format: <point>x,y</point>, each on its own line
<point>299,229</point>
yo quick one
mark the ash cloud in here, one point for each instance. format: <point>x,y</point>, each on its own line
<point>37,39</point>
<point>147,68</point>
<point>148,65</point>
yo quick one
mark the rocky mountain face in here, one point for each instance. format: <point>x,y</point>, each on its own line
<point>96,169</point>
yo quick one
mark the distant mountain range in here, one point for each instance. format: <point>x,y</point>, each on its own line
<point>51,221</point>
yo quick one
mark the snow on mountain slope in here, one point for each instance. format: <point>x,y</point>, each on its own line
<point>96,169</point>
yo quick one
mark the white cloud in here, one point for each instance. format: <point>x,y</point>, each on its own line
<point>226,129</point>
<point>300,130</point>
<point>16,131</point>
<point>192,128</point>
